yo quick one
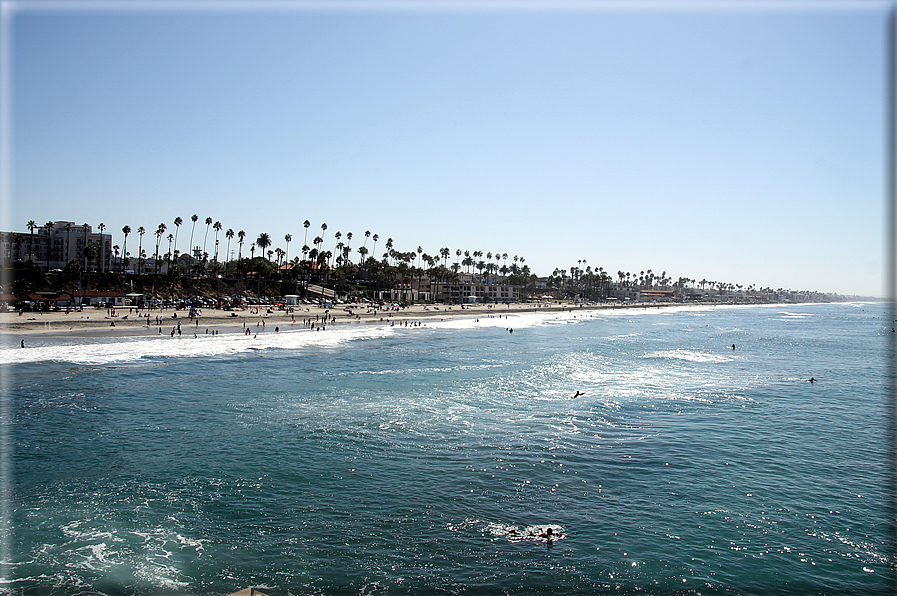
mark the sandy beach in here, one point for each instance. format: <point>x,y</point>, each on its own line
<point>130,321</point>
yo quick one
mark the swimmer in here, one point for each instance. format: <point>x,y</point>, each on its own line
<point>812,380</point>
<point>578,394</point>
<point>547,534</point>
<point>23,343</point>
<point>733,346</point>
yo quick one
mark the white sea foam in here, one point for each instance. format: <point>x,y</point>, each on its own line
<point>117,350</point>
<point>690,356</point>
<point>94,351</point>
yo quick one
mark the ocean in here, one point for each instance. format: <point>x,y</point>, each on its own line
<point>369,459</point>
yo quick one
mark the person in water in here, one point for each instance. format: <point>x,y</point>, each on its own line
<point>578,394</point>
<point>812,380</point>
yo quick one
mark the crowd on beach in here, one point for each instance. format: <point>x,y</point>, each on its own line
<point>214,321</point>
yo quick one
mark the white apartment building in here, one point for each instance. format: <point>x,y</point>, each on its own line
<point>52,247</point>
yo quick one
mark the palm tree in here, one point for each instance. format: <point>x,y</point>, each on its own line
<point>141,230</point>
<point>306,224</point>
<point>49,225</point>
<point>159,231</point>
<point>263,242</point>
<point>31,227</point>
<point>101,228</point>
<point>170,238</point>
<point>288,238</point>
<point>229,234</point>
<point>194,218</point>
<point>241,235</point>
<point>217,226</point>
<point>204,240</point>
<point>177,226</point>
<point>323,229</point>
<point>84,228</point>
<point>124,249</point>
<point>68,239</point>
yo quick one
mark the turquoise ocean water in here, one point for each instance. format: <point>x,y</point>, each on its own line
<point>426,460</point>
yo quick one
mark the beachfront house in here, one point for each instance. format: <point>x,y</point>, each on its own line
<point>626,293</point>
<point>48,300</point>
<point>94,298</point>
<point>657,295</point>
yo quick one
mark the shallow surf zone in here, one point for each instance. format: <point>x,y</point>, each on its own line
<point>195,343</point>
<point>103,351</point>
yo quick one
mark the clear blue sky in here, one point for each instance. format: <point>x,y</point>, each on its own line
<point>729,144</point>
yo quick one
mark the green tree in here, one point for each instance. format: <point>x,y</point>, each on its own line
<point>263,242</point>
<point>72,273</point>
<point>90,253</point>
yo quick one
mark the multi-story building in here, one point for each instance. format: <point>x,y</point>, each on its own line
<point>51,247</point>
<point>467,288</point>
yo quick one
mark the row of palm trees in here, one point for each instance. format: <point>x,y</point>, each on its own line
<point>318,259</point>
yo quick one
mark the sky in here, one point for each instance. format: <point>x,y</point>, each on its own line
<point>710,140</point>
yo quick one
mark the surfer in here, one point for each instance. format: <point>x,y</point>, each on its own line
<point>812,380</point>
<point>578,394</point>
<point>23,343</point>
<point>733,346</point>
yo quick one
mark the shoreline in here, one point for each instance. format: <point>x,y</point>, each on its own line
<point>93,322</point>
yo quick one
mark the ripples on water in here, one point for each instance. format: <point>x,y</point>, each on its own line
<point>377,459</point>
